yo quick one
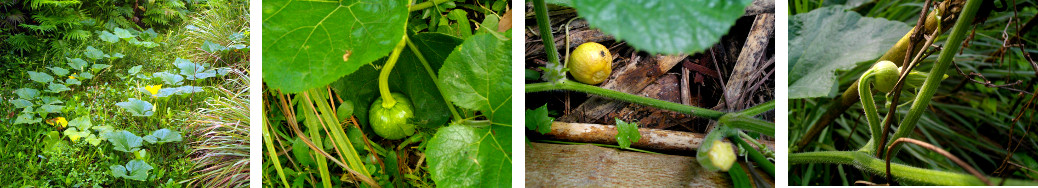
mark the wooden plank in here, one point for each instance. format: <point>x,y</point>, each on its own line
<point>554,165</point>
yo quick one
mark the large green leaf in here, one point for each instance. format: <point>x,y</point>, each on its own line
<point>58,71</point>
<point>193,71</point>
<point>478,76</point>
<point>123,33</point>
<point>93,53</point>
<point>309,44</point>
<point>76,63</point>
<point>125,141</point>
<point>408,77</point>
<point>21,103</point>
<point>56,88</point>
<point>137,107</point>
<point>663,26</point>
<point>829,39</point>
<point>40,77</point>
<point>26,118</point>
<point>169,78</point>
<point>27,93</point>
<point>108,37</point>
<point>466,156</point>
<point>135,170</point>
<point>83,123</point>
<point>163,136</point>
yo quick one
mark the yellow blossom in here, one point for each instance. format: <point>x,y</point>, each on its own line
<point>73,76</point>
<point>59,121</point>
<point>73,137</point>
<point>154,89</point>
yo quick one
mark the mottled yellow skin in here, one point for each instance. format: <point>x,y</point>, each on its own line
<point>722,155</point>
<point>590,63</point>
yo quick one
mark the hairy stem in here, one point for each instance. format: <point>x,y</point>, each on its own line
<point>383,77</point>
<point>958,34</point>
<point>762,161</point>
<point>541,12</point>
<point>736,120</point>
<point>902,173</point>
<point>868,104</point>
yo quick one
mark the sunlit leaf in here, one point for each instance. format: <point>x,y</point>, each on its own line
<point>40,77</point>
<point>76,63</point>
<point>125,141</point>
<point>333,39</point>
<point>58,71</point>
<point>137,107</point>
<point>21,103</point>
<point>93,53</point>
<point>163,136</point>
<point>134,170</point>
<point>123,33</point>
<point>169,78</point>
<point>27,93</point>
<point>466,156</point>
<point>108,37</point>
<point>55,88</point>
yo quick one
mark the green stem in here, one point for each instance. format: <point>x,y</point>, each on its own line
<point>572,86</point>
<point>739,177</point>
<point>742,121</point>
<point>868,104</point>
<point>737,120</point>
<point>754,154</point>
<point>432,74</point>
<point>902,173</point>
<point>541,12</point>
<point>383,77</point>
<point>760,108</point>
<point>424,5</point>
<point>922,101</point>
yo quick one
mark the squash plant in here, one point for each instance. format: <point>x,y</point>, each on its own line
<point>896,76</point>
<point>366,87</point>
<point>630,21</point>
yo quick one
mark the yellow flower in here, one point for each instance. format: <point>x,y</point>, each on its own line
<point>73,76</point>
<point>59,121</point>
<point>73,137</point>
<point>154,89</point>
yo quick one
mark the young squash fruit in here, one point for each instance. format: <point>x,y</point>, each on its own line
<point>391,123</point>
<point>886,76</point>
<point>590,63</point>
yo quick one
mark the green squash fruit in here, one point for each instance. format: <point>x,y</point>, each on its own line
<point>391,123</point>
<point>886,74</point>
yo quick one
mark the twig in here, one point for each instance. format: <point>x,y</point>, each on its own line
<point>931,147</point>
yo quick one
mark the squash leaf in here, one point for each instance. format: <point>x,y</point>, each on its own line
<point>27,93</point>
<point>58,71</point>
<point>466,156</point>
<point>137,107</point>
<point>334,39</point>
<point>125,141</point>
<point>163,136</point>
<point>627,133</point>
<point>40,77</point>
<point>832,38</point>
<point>539,120</point>
<point>135,170</point>
<point>686,27</point>
<point>76,63</point>
<point>477,75</point>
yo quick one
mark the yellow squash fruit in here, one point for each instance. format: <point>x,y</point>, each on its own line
<point>590,63</point>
